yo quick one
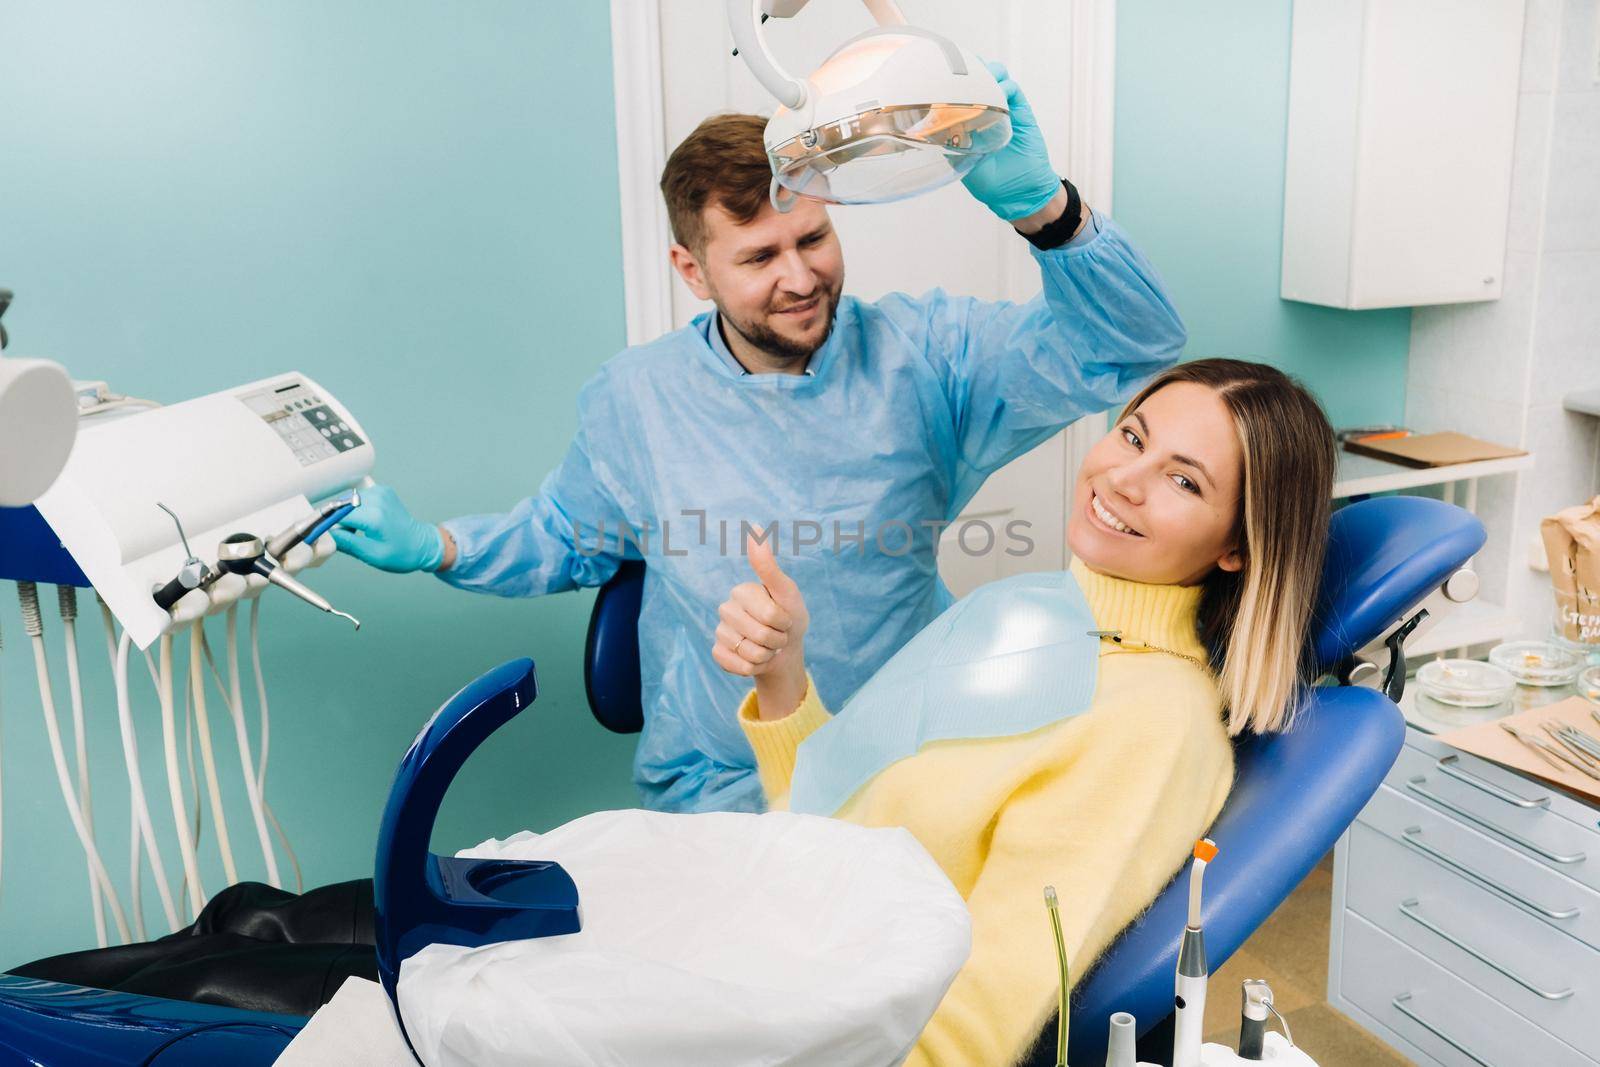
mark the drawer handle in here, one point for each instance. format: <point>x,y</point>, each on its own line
<point>1408,908</point>
<point>1415,785</point>
<point>1450,765</point>
<point>1401,1005</point>
<point>1410,837</point>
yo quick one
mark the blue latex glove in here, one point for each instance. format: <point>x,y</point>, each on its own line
<point>382,533</point>
<point>1017,180</point>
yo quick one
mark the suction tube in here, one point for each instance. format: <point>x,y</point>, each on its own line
<point>1063,1013</point>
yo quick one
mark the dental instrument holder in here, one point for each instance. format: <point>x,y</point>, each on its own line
<point>192,575</point>
<point>1120,1045</point>
<point>1275,1050</point>
<point>246,554</point>
<point>422,899</point>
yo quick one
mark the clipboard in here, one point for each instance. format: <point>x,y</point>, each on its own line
<point>1422,450</point>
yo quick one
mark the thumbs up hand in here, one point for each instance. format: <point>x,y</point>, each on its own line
<point>761,634</point>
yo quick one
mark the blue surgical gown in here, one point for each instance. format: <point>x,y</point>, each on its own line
<point>905,410</point>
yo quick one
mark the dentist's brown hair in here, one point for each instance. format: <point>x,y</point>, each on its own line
<point>1255,622</point>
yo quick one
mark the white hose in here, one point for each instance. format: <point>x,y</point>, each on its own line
<point>196,819</point>
<point>180,819</point>
<point>67,598</point>
<point>197,679</point>
<point>29,596</point>
<point>261,771</point>
<point>252,784</point>
<point>141,808</point>
<point>135,890</point>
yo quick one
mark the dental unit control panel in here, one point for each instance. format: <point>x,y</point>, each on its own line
<point>172,515</point>
<point>140,490</point>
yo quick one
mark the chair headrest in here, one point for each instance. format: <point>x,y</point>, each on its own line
<point>1384,556</point>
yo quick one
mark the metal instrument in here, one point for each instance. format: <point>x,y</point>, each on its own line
<point>246,554</point>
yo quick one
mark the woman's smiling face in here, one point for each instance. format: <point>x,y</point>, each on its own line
<point>1157,499</point>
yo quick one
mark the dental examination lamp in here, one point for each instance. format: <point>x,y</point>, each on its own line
<point>893,112</point>
<point>38,422</point>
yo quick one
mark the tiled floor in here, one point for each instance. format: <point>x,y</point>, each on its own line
<point>1290,951</point>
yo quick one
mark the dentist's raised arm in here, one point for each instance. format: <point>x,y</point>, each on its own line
<point>761,634</point>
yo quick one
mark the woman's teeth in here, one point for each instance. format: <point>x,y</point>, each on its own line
<point>1109,519</point>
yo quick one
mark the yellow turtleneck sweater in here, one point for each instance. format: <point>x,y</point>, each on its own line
<point>1105,806</point>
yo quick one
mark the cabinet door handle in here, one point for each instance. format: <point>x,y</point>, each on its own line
<point>1408,908</point>
<point>1410,837</point>
<point>1450,765</point>
<point>1402,1005</point>
<point>1415,785</point>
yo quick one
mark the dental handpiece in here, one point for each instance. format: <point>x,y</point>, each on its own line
<point>192,575</point>
<point>245,554</point>
<point>314,525</point>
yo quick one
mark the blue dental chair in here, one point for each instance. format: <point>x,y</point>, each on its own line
<point>419,899</point>
<point>1294,794</point>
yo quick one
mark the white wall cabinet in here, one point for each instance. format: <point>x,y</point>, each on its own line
<point>1402,117</point>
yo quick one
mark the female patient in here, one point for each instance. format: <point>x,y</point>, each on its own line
<point>1197,530</point>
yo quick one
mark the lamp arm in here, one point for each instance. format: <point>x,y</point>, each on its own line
<point>744,20</point>
<point>886,12</point>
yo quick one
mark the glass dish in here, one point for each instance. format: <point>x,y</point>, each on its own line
<point>1537,662</point>
<point>1589,684</point>
<point>1465,683</point>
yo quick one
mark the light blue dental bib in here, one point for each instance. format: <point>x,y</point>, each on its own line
<point>1007,659</point>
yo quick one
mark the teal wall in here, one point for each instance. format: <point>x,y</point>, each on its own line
<point>1202,101</point>
<point>415,202</point>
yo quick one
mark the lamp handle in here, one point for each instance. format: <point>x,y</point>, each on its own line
<point>886,12</point>
<point>744,19</point>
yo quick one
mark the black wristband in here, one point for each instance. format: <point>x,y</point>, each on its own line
<point>1062,229</point>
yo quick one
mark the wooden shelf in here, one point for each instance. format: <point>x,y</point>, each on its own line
<point>1363,475</point>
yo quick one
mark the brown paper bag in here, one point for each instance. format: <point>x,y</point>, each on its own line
<point>1572,544</point>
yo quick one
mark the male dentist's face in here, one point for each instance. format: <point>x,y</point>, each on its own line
<point>775,279</point>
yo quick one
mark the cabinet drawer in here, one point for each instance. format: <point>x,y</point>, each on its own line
<point>1438,1012</point>
<point>1536,971</point>
<point>1551,898</point>
<point>1509,808</point>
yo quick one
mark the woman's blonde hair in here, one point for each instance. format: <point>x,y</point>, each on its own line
<point>1255,622</point>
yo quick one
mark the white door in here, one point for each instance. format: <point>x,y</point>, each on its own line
<point>1059,51</point>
